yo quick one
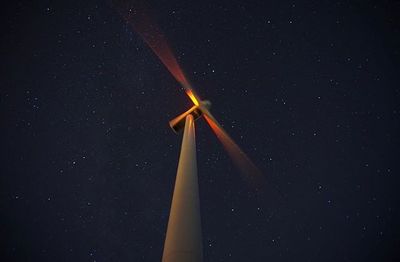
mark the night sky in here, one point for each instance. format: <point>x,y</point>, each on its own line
<point>309,90</point>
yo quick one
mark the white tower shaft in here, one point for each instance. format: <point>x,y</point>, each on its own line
<point>183,240</point>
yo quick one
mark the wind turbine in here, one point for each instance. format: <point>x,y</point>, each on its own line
<point>183,238</point>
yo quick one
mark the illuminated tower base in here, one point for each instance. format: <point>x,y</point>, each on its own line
<point>183,240</point>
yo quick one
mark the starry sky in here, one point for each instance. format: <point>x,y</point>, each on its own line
<point>308,89</point>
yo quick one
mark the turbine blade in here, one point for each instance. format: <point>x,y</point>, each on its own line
<point>240,159</point>
<point>138,16</point>
<point>192,96</point>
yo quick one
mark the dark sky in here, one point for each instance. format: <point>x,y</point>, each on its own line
<point>309,89</point>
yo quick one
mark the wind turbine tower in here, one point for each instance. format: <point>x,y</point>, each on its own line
<point>183,240</point>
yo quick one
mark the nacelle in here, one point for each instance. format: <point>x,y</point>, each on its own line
<point>178,123</point>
